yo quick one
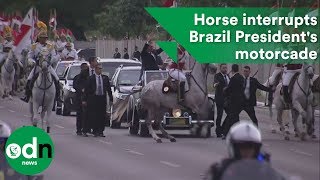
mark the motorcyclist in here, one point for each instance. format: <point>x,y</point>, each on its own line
<point>243,142</point>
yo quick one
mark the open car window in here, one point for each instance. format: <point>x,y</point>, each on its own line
<point>155,75</point>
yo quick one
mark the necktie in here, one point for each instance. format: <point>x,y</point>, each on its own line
<point>91,71</point>
<point>225,79</point>
<point>99,86</point>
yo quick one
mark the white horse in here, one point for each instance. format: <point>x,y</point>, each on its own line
<point>153,101</point>
<point>7,74</point>
<point>43,94</point>
<point>302,100</point>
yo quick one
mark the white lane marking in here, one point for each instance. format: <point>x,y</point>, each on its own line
<point>12,111</point>
<point>266,145</point>
<point>105,142</point>
<point>295,178</point>
<point>300,152</point>
<point>170,164</point>
<point>134,152</point>
<point>61,127</point>
<point>27,116</point>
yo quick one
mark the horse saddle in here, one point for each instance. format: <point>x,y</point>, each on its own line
<point>291,84</point>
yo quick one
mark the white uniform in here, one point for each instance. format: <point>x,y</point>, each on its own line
<point>287,76</point>
<point>60,45</point>
<point>34,53</point>
<point>275,73</point>
<point>67,54</point>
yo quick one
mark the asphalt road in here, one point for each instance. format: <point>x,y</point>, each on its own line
<point>120,156</point>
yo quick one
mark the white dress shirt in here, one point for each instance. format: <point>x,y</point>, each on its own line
<point>91,71</point>
<point>97,85</point>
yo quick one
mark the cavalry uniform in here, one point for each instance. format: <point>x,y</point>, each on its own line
<point>69,54</point>
<point>277,70</point>
<point>34,55</point>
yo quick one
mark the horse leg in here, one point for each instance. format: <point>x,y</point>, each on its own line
<point>166,134</point>
<point>295,115</point>
<point>282,128</point>
<point>313,136</point>
<point>149,125</point>
<point>31,111</point>
<point>35,112</point>
<point>47,118</point>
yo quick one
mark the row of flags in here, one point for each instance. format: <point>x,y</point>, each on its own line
<point>24,31</point>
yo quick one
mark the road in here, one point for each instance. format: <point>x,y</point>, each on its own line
<point>120,156</point>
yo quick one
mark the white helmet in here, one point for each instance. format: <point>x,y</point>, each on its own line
<point>243,132</point>
<point>5,130</point>
<point>8,44</point>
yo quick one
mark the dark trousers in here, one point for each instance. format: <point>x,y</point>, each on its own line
<point>220,110</point>
<point>251,113</point>
<point>97,113</point>
<point>231,119</point>
<point>79,119</point>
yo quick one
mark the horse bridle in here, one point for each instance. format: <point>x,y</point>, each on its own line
<point>205,92</point>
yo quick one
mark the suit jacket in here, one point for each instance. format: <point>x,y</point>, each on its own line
<point>219,97</point>
<point>91,86</point>
<point>254,85</point>
<point>234,92</point>
<point>148,60</point>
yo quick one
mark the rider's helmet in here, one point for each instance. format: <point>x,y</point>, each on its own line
<point>7,46</point>
<point>5,132</point>
<point>243,134</point>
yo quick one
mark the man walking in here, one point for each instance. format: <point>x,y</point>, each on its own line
<point>251,85</point>
<point>234,99</point>
<point>221,81</point>
<point>97,87</point>
<point>79,84</point>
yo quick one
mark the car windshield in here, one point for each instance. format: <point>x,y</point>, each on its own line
<point>61,68</point>
<point>73,71</point>
<point>155,75</point>
<point>129,77</point>
<point>109,68</point>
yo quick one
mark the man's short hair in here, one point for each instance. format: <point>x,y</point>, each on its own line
<point>99,66</point>
<point>92,58</point>
<point>235,67</point>
<point>222,64</point>
<point>83,64</point>
<point>247,67</point>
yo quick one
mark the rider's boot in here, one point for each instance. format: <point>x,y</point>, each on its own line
<point>28,92</point>
<point>270,98</point>
<point>57,85</point>
<point>286,95</point>
<point>181,91</point>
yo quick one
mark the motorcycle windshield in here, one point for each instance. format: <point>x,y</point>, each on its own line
<point>251,170</point>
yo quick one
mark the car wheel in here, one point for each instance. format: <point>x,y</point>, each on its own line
<point>143,130</point>
<point>65,111</point>
<point>58,108</point>
<point>134,124</point>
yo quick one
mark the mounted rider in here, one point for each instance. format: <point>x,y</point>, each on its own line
<point>7,44</point>
<point>176,72</point>
<point>34,55</point>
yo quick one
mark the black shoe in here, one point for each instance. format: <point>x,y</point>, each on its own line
<point>219,135</point>
<point>96,135</point>
<point>85,135</point>
<point>34,125</point>
<point>102,135</point>
<point>79,133</point>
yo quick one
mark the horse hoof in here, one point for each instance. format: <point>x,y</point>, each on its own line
<point>273,131</point>
<point>287,138</point>
<point>159,141</point>
<point>173,140</point>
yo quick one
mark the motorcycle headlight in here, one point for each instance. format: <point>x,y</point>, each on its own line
<point>176,113</point>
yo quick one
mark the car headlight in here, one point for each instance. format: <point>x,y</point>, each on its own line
<point>176,113</point>
<point>185,114</point>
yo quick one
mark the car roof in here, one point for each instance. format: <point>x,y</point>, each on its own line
<point>131,68</point>
<point>78,63</point>
<point>119,60</point>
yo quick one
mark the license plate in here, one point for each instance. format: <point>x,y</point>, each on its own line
<point>177,121</point>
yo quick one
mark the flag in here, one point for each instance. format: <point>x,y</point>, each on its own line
<point>170,3</point>
<point>24,38</point>
<point>53,20</point>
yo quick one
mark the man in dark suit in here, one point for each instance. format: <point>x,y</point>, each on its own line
<point>148,58</point>
<point>79,83</point>
<point>97,87</point>
<point>221,81</point>
<point>125,55</point>
<point>234,99</point>
<point>250,87</point>
<point>136,53</point>
<point>116,55</point>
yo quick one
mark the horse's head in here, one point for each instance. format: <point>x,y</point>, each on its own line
<point>308,70</point>
<point>44,59</point>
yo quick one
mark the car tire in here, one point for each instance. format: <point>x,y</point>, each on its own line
<point>65,111</point>
<point>134,124</point>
